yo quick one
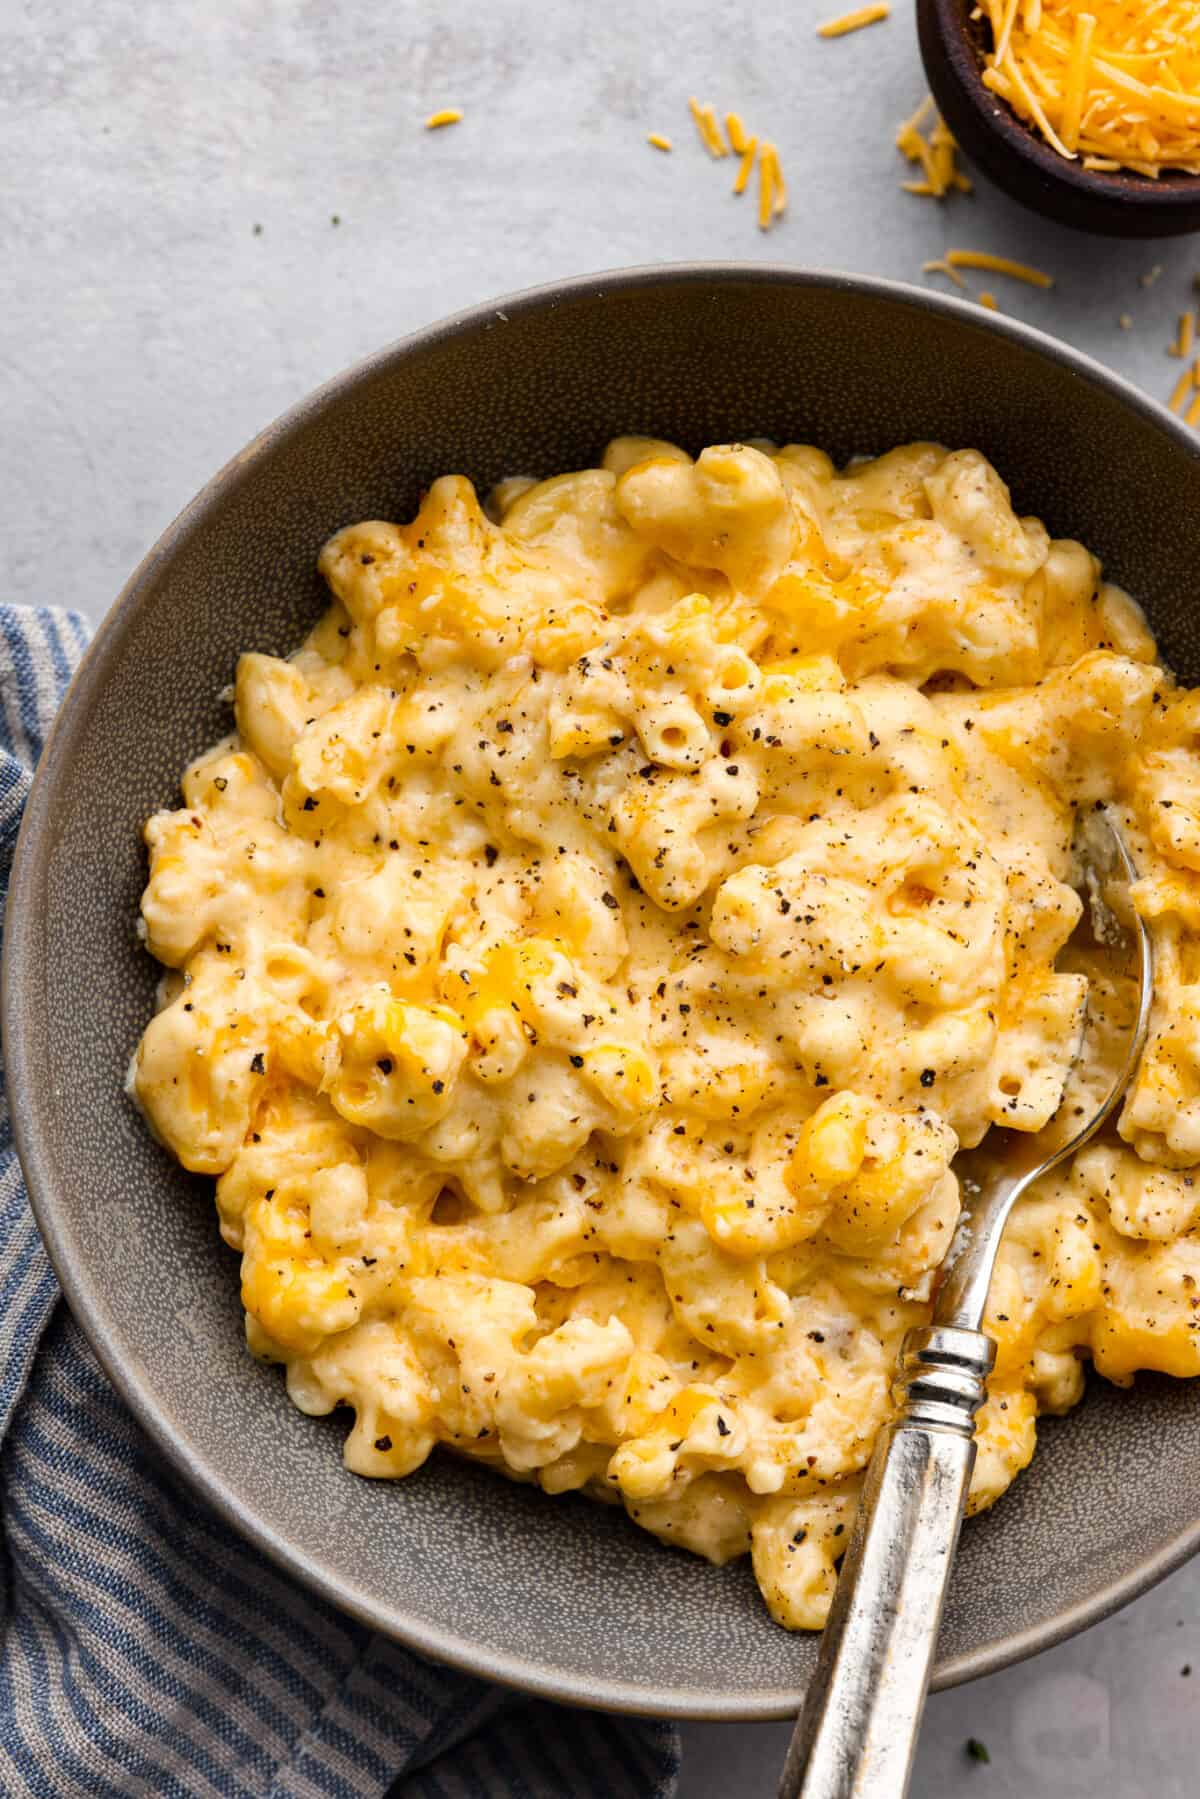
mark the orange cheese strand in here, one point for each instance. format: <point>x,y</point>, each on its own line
<point>938,267</point>
<point>746,167</point>
<point>779,193</point>
<point>999,265</point>
<point>705,117</point>
<point>854,21</point>
<point>766,187</point>
<point>936,154</point>
<point>1183,387</point>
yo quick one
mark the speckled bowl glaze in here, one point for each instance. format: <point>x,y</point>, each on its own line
<point>560,1596</point>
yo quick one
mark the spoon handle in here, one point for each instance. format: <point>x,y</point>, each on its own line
<point>856,1734</point>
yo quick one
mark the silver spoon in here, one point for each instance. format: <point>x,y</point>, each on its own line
<point>857,1732</point>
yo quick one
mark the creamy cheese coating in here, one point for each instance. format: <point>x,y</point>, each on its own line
<point>590,950</point>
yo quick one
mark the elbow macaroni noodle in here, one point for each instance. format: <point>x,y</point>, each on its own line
<point>588,953</point>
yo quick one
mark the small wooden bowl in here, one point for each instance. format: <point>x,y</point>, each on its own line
<point>1017,159</point>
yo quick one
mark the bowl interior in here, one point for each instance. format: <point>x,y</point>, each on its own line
<point>559,1595</point>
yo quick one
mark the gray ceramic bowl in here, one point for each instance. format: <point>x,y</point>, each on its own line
<point>560,1596</point>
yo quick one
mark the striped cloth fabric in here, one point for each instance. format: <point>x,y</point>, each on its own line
<point>146,1649</point>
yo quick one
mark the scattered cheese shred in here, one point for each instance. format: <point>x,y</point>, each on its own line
<point>779,193</point>
<point>990,301</point>
<point>935,154</point>
<point>659,141</point>
<point>1183,387</point>
<point>944,147</point>
<point>751,151</point>
<point>1193,412</point>
<point>999,265</point>
<point>449,115</point>
<point>1186,335</point>
<point>937,267</point>
<point>918,119</point>
<point>706,124</point>
<point>766,188</point>
<point>746,168</point>
<point>717,142</point>
<point>1115,84</point>
<point>854,21</point>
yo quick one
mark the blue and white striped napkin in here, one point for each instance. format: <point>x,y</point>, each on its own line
<point>146,1649</point>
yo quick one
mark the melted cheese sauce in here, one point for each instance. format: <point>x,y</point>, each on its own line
<point>590,950</point>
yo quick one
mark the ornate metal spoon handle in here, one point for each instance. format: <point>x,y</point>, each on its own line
<point>855,1737</point>
<point>857,1732</point>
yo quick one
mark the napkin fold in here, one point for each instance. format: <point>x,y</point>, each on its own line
<point>145,1648</point>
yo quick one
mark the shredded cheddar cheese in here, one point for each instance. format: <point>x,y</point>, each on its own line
<point>999,265</point>
<point>746,167</point>
<point>935,155</point>
<point>1115,85</point>
<point>659,141</point>
<point>779,194</point>
<point>751,152</point>
<point>990,301</point>
<point>449,115</point>
<point>706,124</point>
<point>736,133</point>
<point>1187,331</point>
<point>938,267</point>
<point>716,142</point>
<point>854,21</point>
<point>766,188</point>
<point>1077,74</point>
<point>1193,413</point>
<point>1183,388</point>
<point>918,119</point>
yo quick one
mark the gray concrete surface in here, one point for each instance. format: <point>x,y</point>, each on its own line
<point>147,329</point>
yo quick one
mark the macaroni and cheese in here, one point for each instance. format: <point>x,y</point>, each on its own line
<point>588,953</point>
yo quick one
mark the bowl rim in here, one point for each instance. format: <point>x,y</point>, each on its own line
<point>24,1031</point>
<point>1173,192</point>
